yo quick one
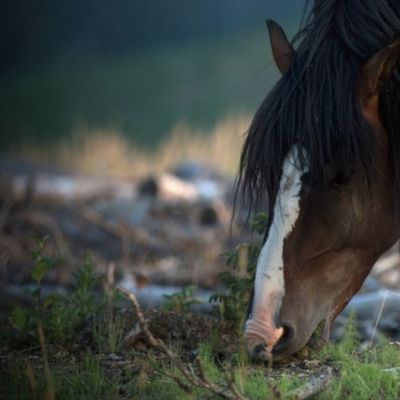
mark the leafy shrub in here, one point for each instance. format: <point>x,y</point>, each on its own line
<point>182,301</point>
<point>59,314</point>
<point>238,281</point>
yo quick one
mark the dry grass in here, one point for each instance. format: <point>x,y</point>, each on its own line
<point>108,152</point>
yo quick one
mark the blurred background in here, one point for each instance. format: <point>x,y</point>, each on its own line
<point>81,79</point>
<point>121,130</point>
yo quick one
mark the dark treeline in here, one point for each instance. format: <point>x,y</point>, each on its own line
<point>33,32</point>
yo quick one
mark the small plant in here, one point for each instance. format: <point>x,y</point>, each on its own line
<point>347,347</point>
<point>108,332</point>
<point>59,315</point>
<point>370,373</point>
<point>89,381</point>
<point>24,320</point>
<point>182,301</point>
<point>260,223</point>
<point>238,282</point>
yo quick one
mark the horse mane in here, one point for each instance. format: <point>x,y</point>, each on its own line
<point>314,104</point>
<point>390,114</point>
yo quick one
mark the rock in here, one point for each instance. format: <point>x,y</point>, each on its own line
<point>208,216</point>
<point>381,304</point>
<point>376,312</point>
<point>387,268</point>
<point>47,186</point>
<point>192,170</point>
<point>168,188</point>
<point>148,187</point>
<point>152,295</point>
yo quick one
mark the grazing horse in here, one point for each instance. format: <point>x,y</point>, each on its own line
<point>324,150</point>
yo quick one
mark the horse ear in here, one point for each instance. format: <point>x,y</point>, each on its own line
<point>282,50</point>
<point>374,74</point>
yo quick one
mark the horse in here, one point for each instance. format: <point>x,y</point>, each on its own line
<point>322,157</point>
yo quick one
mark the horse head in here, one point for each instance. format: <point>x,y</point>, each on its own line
<point>330,219</point>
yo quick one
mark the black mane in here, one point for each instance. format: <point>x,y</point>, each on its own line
<point>314,104</point>
<point>390,114</point>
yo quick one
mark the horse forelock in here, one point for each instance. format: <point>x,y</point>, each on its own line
<point>314,104</point>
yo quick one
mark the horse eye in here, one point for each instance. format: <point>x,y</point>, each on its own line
<point>341,178</point>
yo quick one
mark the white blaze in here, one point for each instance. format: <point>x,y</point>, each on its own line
<point>269,286</point>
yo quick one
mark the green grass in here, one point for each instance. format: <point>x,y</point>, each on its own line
<point>369,374</point>
<point>108,332</point>
<point>372,374</point>
<point>86,380</point>
<point>85,357</point>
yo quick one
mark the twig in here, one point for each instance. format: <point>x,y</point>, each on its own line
<point>231,381</point>
<point>197,380</point>
<point>378,318</point>
<point>31,379</point>
<point>201,369</point>
<point>50,391</point>
<point>186,388</point>
<point>315,385</point>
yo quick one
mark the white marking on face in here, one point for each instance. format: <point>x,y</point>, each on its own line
<point>269,287</point>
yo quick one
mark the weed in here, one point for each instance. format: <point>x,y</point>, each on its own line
<point>182,301</point>
<point>252,382</point>
<point>86,382</point>
<point>372,373</point>
<point>238,281</point>
<point>59,315</point>
<point>19,382</point>
<point>108,332</point>
<point>368,374</point>
<point>161,387</point>
<point>286,384</point>
<point>347,347</point>
<point>362,380</point>
<point>25,321</point>
<point>206,357</point>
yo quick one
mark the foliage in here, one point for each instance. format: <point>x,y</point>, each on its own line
<point>368,374</point>
<point>59,314</point>
<point>238,281</point>
<point>206,357</point>
<point>182,301</point>
<point>108,332</point>
<point>85,381</point>
<point>371,373</point>
<point>260,223</point>
<point>347,347</point>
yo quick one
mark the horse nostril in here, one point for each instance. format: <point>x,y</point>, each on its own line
<point>285,340</point>
<point>261,352</point>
